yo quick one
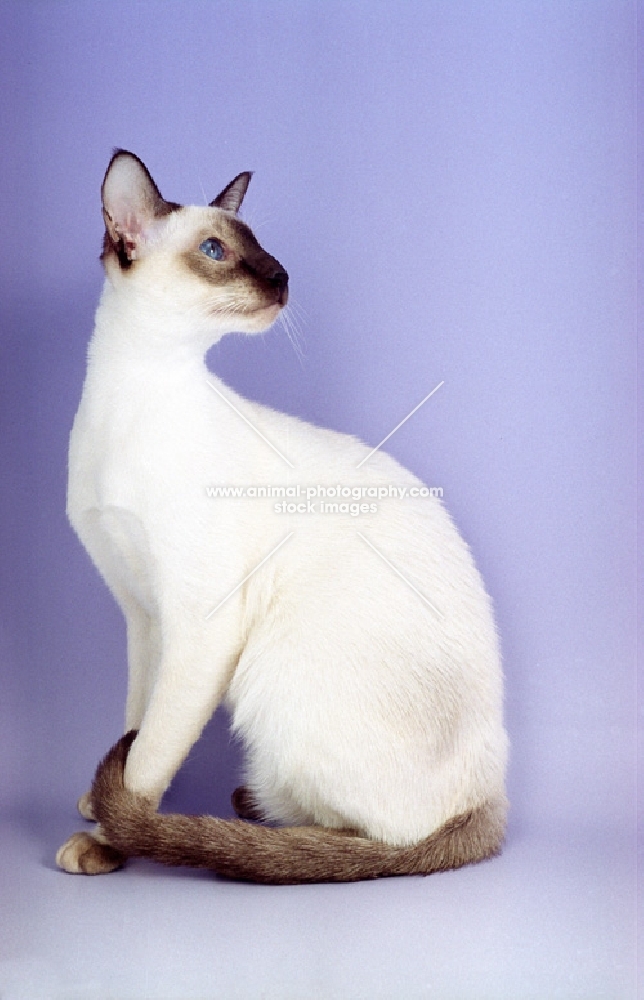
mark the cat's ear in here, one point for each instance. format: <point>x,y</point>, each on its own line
<point>232,196</point>
<point>131,204</point>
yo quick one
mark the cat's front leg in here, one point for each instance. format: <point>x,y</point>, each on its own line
<point>143,651</point>
<point>193,672</point>
<point>88,854</point>
<point>84,806</point>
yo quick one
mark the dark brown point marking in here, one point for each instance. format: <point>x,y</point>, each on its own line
<point>244,805</point>
<point>286,856</point>
<point>247,269</point>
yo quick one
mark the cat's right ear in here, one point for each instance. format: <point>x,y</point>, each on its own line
<point>231,197</point>
<point>131,204</point>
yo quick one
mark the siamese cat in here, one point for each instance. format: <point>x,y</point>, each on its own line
<point>358,657</point>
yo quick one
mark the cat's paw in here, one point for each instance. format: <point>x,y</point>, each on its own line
<point>84,806</point>
<point>82,854</point>
<point>244,805</point>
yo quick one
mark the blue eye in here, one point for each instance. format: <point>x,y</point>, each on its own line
<point>213,249</point>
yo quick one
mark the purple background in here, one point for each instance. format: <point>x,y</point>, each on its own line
<point>451,186</point>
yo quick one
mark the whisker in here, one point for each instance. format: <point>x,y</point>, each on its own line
<point>205,197</point>
<point>256,222</point>
<point>293,333</point>
<point>298,309</point>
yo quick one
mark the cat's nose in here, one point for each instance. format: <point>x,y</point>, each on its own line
<point>279,280</point>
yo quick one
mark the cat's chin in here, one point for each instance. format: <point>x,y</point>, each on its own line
<point>260,319</point>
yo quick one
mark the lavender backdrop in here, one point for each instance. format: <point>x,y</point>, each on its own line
<point>451,187</point>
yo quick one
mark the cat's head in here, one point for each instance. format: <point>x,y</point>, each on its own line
<point>188,261</point>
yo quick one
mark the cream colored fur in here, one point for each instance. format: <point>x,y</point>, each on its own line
<point>359,705</point>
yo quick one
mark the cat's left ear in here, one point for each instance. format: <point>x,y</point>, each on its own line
<point>232,196</point>
<point>131,204</point>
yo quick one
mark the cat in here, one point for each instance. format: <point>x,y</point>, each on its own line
<point>356,651</point>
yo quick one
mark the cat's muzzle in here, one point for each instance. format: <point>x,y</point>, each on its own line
<point>279,281</point>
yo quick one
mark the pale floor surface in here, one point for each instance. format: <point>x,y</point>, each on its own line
<point>554,917</point>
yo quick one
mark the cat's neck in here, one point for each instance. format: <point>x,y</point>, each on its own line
<point>132,337</point>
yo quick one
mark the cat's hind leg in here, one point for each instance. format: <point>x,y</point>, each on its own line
<point>245,806</point>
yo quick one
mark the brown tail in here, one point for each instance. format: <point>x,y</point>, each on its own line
<point>290,855</point>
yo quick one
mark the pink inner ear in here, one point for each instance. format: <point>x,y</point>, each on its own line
<point>131,213</point>
<point>133,228</point>
<point>129,224</point>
